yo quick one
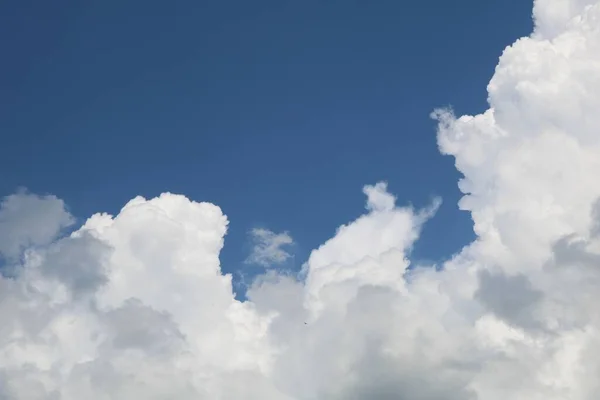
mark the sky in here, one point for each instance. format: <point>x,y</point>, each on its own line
<point>272,110</point>
<point>193,225</point>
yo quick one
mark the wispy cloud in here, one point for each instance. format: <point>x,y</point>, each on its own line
<point>269,248</point>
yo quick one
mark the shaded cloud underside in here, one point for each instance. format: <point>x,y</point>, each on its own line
<point>135,305</point>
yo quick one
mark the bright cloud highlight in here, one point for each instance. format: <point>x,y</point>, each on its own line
<point>135,305</point>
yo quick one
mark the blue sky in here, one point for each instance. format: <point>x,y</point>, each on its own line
<point>277,111</point>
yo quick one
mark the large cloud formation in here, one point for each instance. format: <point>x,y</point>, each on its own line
<point>135,306</point>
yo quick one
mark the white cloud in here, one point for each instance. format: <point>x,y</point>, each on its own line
<point>269,248</point>
<point>136,306</point>
<point>29,220</point>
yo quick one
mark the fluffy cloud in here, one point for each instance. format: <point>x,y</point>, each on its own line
<point>136,306</point>
<point>269,248</point>
<point>28,220</point>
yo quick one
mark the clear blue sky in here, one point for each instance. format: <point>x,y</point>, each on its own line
<point>277,111</point>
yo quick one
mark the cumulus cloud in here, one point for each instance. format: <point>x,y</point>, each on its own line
<point>28,220</point>
<point>136,306</point>
<point>269,248</point>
